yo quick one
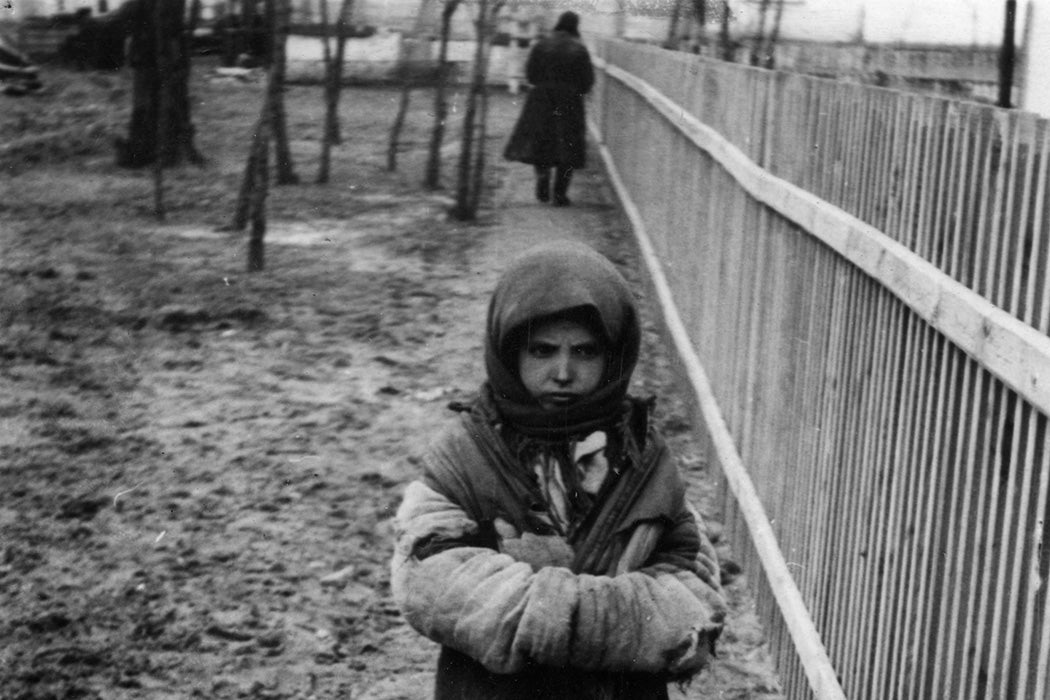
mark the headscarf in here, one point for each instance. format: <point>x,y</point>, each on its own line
<point>549,281</point>
<point>568,22</point>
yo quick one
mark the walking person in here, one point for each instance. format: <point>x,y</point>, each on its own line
<point>548,545</point>
<point>551,130</point>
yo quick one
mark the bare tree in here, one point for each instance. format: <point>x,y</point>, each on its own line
<point>758,41</point>
<point>399,121</point>
<point>279,15</point>
<point>163,70</point>
<point>469,175</point>
<point>478,174</point>
<point>699,22</point>
<point>251,198</point>
<point>432,179</point>
<point>724,41</point>
<point>774,36</point>
<point>414,72</point>
<point>333,86</point>
<point>259,162</point>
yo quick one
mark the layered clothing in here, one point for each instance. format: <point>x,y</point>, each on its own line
<point>553,553</point>
<point>551,129</point>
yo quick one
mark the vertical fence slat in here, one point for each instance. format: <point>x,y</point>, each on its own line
<point>1005,240</point>
<point>835,554</point>
<point>824,535</point>
<point>947,168</point>
<point>942,514</point>
<point>1027,144</point>
<point>913,165</point>
<point>1041,653</point>
<point>991,605</point>
<point>1012,680</point>
<point>961,550</point>
<point>852,481</point>
<point>908,431</point>
<point>1005,589</point>
<point>964,196</point>
<point>948,446</point>
<point>1037,267</point>
<point>884,553</point>
<point>990,252</point>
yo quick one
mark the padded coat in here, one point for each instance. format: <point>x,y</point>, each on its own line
<point>639,606</point>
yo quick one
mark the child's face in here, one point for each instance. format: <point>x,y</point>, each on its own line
<point>561,362</point>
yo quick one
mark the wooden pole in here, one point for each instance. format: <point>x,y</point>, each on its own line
<point>1007,56</point>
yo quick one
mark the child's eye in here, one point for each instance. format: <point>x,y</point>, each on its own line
<point>587,351</point>
<point>542,349</point>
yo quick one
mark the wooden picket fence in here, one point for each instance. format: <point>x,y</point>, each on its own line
<point>856,280</point>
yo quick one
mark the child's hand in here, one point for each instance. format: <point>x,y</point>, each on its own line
<point>692,655</point>
<point>536,550</point>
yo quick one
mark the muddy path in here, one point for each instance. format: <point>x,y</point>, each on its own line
<point>199,467</point>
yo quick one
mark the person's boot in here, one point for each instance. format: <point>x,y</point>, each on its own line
<point>543,185</point>
<point>561,187</point>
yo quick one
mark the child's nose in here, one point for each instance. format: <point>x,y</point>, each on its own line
<point>563,369</point>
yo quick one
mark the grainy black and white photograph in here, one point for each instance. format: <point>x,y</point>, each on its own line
<point>524,349</point>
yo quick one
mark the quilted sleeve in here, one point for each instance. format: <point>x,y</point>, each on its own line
<point>504,614</point>
<point>474,599</point>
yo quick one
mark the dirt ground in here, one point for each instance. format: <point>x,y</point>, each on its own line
<point>198,466</point>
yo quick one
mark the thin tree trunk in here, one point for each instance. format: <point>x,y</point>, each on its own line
<point>478,186</point>
<point>463,210</point>
<point>326,144</point>
<point>257,157</point>
<point>481,153</point>
<point>774,36</point>
<point>259,176</point>
<point>333,85</point>
<point>1007,57</point>
<point>279,38</point>
<point>414,73</point>
<point>163,69</point>
<point>399,122</point>
<point>183,71</point>
<point>260,189</point>
<point>337,74</point>
<point>179,93</point>
<point>758,41</point>
<point>432,179</point>
<point>469,173</point>
<point>699,23</point>
<point>723,33</point>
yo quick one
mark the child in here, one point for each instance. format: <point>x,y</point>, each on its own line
<point>548,546</point>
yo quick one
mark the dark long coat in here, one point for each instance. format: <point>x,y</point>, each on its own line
<point>551,129</point>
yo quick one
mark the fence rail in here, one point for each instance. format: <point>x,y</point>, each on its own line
<point>836,255</point>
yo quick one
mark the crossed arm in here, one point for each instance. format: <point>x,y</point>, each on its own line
<point>457,590</point>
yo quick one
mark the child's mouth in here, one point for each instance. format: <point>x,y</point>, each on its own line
<point>559,399</point>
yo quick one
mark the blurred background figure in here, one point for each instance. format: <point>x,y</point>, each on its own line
<point>551,130</point>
